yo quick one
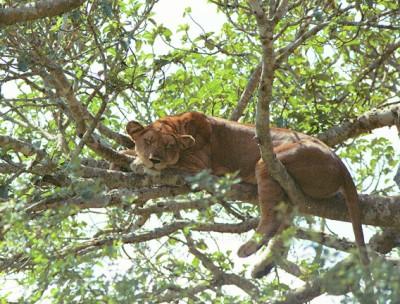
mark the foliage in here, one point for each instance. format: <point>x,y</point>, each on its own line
<point>68,236</point>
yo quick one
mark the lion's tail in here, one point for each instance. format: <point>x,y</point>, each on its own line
<point>350,194</point>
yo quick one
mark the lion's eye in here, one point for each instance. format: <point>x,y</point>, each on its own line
<point>169,146</point>
<point>147,141</point>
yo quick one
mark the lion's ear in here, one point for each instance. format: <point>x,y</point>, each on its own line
<point>133,128</point>
<point>186,141</point>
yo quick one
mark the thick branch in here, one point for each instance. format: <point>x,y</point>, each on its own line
<point>376,210</point>
<point>386,240</point>
<point>37,10</point>
<point>7,142</point>
<point>64,88</point>
<point>79,113</point>
<point>367,122</point>
<point>120,197</point>
<point>275,167</point>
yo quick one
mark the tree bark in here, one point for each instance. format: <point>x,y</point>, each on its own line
<point>40,9</point>
<point>367,122</point>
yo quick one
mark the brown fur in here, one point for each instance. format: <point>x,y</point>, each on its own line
<point>128,152</point>
<point>193,142</point>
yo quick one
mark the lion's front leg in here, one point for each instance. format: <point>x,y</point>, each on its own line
<point>128,152</point>
<point>270,194</point>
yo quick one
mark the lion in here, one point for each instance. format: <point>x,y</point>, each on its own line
<point>193,142</point>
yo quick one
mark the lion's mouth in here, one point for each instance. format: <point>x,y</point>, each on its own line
<point>149,164</point>
<point>159,166</point>
<point>154,166</point>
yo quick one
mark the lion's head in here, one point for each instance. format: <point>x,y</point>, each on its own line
<point>157,145</point>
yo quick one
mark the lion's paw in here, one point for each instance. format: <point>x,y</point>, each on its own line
<point>262,269</point>
<point>248,248</point>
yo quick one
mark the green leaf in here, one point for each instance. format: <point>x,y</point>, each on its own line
<point>187,11</point>
<point>195,262</point>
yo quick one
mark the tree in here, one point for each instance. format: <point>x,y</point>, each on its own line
<point>73,231</point>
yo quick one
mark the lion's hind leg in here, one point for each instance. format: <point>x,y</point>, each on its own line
<point>277,250</point>
<point>270,194</point>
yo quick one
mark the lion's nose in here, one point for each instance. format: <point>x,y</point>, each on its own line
<point>155,160</point>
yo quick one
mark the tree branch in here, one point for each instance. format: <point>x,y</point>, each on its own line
<point>7,142</point>
<point>251,86</point>
<point>219,275</point>
<point>64,88</point>
<point>367,122</point>
<point>376,210</point>
<point>341,244</point>
<point>284,52</point>
<point>335,281</point>
<point>40,9</point>
<point>383,242</point>
<point>276,169</point>
<point>175,293</point>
